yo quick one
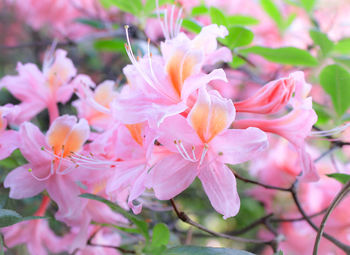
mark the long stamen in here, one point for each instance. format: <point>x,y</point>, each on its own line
<point>172,22</point>
<point>193,153</point>
<point>160,21</point>
<point>329,132</point>
<point>178,22</point>
<point>180,150</point>
<point>204,152</point>
<point>185,151</point>
<point>166,24</point>
<point>38,178</point>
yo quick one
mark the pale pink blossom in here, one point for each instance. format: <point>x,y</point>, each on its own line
<point>200,146</point>
<point>9,139</point>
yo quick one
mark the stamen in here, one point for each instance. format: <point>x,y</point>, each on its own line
<point>185,151</point>
<point>180,151</point>
<point>178,22</point>
<point>158,16</point>
<point>329,132</point>
<point>193,153</point>
<point>204,152</point>
<point>172,22</point>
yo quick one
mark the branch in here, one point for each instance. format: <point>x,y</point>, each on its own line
<point>298,219</point>
<point>343,192</point>
<point>335,241</point>
<point>258,183</point>
<point>183,216</point>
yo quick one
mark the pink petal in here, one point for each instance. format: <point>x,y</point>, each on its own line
<point>172,175</point>
<point>235,146</point>
<point>9,141</point>
<point>219,184</point>
<point>32,141</point>
<point>22,184</point>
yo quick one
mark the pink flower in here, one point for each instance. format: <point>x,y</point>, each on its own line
<point>9,139</point>
<point>95,106</point>
<point>200,146</point>
<point>48,164</point>
<point>159,86</point>
<point>37,89</point>
<point>270,99</point>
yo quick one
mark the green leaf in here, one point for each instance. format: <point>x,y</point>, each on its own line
<point>115,45</point>
<point>308,4</point>
<point>242,20</point>
<point>237,62</point>
<point>199,10</point>
<point>343,178</point>
<point>92,23</point>
<point>191,26</point>
<point>10,217</point>
<point>150,5</point>
<point>322,40</point>
<point>196,250</point>
<point>161,235</point>
<point>140,224</point>
<point>237,37</point>
<point>217,16</point>
<point>343,60</point>
<point>134,7</point>
<point>323,116</point>
<point>272,10</point>
<point>289,20</point>
<point>284,55</point>
<point>336,82</point>
<point>342,46</point>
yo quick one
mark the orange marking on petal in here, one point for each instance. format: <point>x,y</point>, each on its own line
<point>199,119</point>
<point>74,142</point>
<point>179,68</point>
<point>136,132</point>
<point>218,121</point>
<point>58,136</point>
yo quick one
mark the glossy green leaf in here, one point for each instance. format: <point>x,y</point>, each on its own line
<point>237,37</point>
<point>342,46</point>
<point>199,10</point>
<point>343,60</point>
<point>323,116</point>
<point>10,217</point>
<point>272,10</point>
<point>322,40</point>
<point>134,7</point>
<point>161,235</point>
<point>140,224</point>
<point>196,250</point>
<point>217,16</point>
<point>115,45</point>
<point>191,26</point>
<point>343,178</point>
<point>284,55</point>
<point>90,22</point>
<point>336,82</point>
<point>242,20</point>
<point>308,4</point>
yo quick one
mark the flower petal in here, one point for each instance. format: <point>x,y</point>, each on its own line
<point>219,184</point>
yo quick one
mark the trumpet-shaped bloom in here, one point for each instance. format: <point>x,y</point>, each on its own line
<point>200,146</point>
<point>48,164</point>
<point>37,89</point>
<point>159,86</point>
<point>269,99</point>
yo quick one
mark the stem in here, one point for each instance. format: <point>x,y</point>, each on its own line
<point>335,241</point>
<point>183,216</point>
<point>260,184</point>
<point>334,203</point>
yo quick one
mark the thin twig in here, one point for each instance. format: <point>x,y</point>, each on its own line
<point>113,247</point>
<point>183,216</point>
<point>342,193</point>
<point>299,218</point>
<point>258,183</point>
<point>335,241</point>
